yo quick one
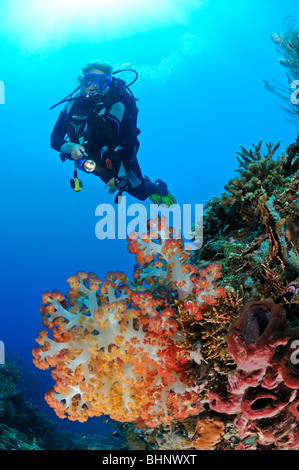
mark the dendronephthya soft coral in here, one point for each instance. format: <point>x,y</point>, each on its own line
<point>113,353</point>
<point>116,349</point>
<point>164,261</point>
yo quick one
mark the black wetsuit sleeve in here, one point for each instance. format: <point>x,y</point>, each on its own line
<point>59,131</point>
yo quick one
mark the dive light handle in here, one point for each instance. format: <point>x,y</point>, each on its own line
<point>67,156</point>
<point>84,163</point>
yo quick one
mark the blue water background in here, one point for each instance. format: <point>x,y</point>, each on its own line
<point>201,95</point>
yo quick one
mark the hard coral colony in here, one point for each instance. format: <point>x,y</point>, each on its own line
<point>201,349</point>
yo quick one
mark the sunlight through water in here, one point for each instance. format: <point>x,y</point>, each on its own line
<point>47,25</point>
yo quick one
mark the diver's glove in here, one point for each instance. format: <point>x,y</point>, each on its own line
<point>116,184</point>
<point>74,150</point>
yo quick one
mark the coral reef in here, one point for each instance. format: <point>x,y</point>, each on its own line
<point>265,383</point>
<point>252,228</point>
<point>257,248</point>
<point>25,425</point>
<point>198,351</point>
<point>10,376</point>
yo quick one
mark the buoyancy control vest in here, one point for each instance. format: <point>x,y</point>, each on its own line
<point>89,119</point>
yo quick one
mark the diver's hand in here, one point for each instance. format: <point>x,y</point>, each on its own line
<point>116,183</point>
<point>77,151</point>
<point>112,185</point>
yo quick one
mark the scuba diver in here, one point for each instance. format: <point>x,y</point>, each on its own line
<point>97,129</point>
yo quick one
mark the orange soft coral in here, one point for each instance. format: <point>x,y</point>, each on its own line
<point>164,261</point>
<point>113,353</point>
<point>115,348</point>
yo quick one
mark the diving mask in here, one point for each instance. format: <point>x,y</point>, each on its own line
<point>99,80</point>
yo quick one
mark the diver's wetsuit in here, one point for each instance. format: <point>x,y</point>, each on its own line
<point>108,138</point>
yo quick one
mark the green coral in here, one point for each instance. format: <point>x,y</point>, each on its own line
<point>246,229</point>
<point>258,174</point>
